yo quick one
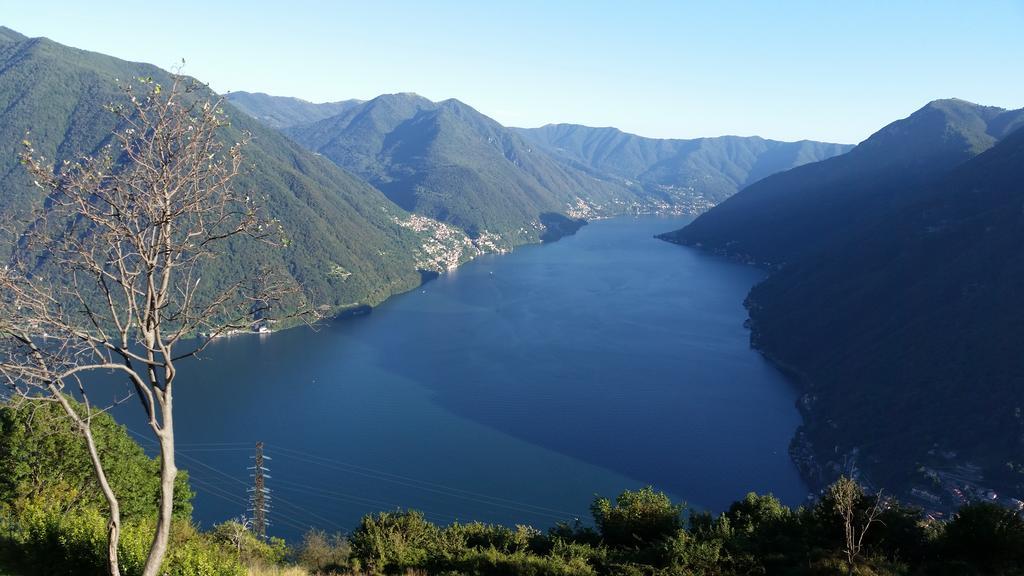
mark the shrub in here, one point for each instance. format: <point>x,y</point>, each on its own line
<point>637,519</point>
<point>39,436</point>
<point>48,541</point>
<point>323,554</point>
<point>988,537</point>
<point>392,542</point>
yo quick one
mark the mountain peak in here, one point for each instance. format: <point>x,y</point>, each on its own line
<point>792,214</point>
<point>952,129</point>
<point>963,109</point>
<point>456,104</point>
<point>568,127</point>
<point>401,96</point>
<point>954,102</point>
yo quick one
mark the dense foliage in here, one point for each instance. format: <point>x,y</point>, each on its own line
<point>644,533</point>
<point>43,458</point>
<point>344,246</point>
<point>53,518</point>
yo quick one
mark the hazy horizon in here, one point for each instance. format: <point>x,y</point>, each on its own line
<point>663,70</point>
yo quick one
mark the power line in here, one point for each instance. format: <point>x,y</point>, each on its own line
<point>425,485</point>
<point>237,499</point>
<point>416,483</point>
<point>351,468</point>
<point>355,499</point>
<point>279,499</point>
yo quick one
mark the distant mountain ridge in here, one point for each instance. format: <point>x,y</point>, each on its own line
<point>283,111</point>
<point>709,169</point>
<point>447,161</point>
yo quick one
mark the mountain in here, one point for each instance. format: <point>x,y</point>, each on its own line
<point>283,112</point>
<point>448,161</point>
<point>789,215</point>
<point>892,301</point>
<point>349,245</point>
<point>906,338</point>
<point>701,172</point>
<point>8,35</point>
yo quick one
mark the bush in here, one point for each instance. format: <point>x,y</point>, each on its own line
<point>47,541</point>
<point>687,554</point>
<point>637,519</point>
<point>249,549</point>
<point>323,554</point>
<point>392,542</point>
<point>501,538</point>
<point>986,538</point>
<point>490,561</point>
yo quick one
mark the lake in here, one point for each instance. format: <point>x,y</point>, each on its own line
<point>511,390</point>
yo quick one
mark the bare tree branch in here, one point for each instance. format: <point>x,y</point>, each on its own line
<point>107,276</point>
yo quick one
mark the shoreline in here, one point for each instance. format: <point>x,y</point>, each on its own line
<point>801,452</point>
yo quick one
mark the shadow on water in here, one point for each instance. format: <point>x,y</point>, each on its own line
<point>511,391</point>
<point>614,348</point>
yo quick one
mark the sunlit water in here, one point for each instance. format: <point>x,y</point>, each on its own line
<point>512,390</point>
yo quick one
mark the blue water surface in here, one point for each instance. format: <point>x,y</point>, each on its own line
<point>511,390</point>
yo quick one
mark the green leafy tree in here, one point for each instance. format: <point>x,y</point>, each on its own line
<point>755,512</point>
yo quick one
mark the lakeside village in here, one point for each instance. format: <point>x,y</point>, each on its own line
<point>944,485</point>
<point>953,484</point>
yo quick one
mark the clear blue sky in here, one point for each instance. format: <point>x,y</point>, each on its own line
<point>822,69</point>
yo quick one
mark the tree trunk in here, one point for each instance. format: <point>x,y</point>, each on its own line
<point>168,472</point>
<point>114,521</point>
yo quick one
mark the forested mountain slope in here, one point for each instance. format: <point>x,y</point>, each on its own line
<point>789,215</point>
<point>906,338</point>
<point>894,301</point>
<point>348,244</point>
<point>705,171</point>
<point>447,161</point>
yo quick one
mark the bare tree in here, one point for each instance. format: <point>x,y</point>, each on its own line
<point>235,533</point>
<point>847,496</point>
<point>107,277</point>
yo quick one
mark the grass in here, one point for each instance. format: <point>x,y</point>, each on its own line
<point>275,571</point>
